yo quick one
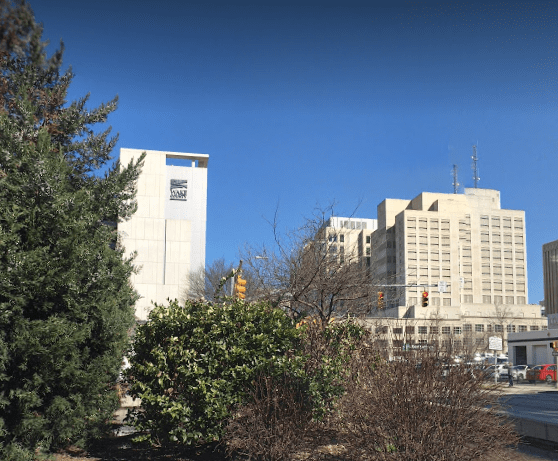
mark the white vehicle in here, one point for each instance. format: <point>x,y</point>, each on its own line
<point>498,370</point>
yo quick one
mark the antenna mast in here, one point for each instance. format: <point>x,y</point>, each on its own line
<point>455,183</point>
<point>475,168</point>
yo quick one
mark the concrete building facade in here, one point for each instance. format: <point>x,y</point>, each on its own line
<point>468,254</point>
<point>351,238</point>
<point>168,230</point>
<point>550,279</point>
<point>465,240</point>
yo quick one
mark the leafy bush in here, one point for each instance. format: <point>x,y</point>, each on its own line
<point>193,364</point>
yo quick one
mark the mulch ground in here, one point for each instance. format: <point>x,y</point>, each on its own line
<point>122,449</point>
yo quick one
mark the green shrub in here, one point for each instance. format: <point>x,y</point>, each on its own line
<point>193,364</point>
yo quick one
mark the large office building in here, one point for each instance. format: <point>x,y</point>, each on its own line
<point>168,230</point>
<point>469,256</point>
<point>550,278</point>
<point>466,241</point>
<point>351,238</point>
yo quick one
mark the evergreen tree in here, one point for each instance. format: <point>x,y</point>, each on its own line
<point>66,303</point>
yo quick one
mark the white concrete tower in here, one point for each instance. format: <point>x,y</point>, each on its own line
<point>168,229</point>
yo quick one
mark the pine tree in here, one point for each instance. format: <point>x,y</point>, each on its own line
<point>66,303</point>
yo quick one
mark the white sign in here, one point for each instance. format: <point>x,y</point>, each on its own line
<point>442,286</point>
<point>495,343</point>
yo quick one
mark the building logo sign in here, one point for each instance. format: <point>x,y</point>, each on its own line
<point>178,189</point>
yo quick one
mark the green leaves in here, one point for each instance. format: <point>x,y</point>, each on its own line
<point>193,364</point>
<point>66,303</point>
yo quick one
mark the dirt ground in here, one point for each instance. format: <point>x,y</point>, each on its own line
<point>122,449</point>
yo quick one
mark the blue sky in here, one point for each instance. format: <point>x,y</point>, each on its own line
<point>300,104</point>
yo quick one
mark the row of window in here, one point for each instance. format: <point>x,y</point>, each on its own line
<point>435,224</point>
<point>495,222</point>
<point>505,222</point>
<point>458,330</point>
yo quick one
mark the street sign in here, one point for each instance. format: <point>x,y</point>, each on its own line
<point>442,286</point>
<point>554,353</point>
<point>495,343</point>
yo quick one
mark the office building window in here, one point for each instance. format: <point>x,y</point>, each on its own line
<point>467,298</point>
<point>498,300</point>
<point>521,328</point>
<point>521,300</point>
<point>467,327</point>
<point>498,329</point>
<point>397,330</point>
<point>456,330</point>
<point>484,221</point>
<point>433,330</point>
<point>422,330</point>
<point>479,328</point>
<point>487,299</point>
<point>534,328</point>
<point>496,221</point>
<point>446,330</point>
<point>510,328</point>
<point>410,330</point>
<point>446,302</point>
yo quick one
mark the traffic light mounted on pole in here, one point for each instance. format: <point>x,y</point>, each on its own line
<point>240,287</point>
<point>381,300</point>
<point>424,299</point>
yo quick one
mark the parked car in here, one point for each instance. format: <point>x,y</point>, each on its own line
<point>518,372</point>
<point>499,370</point>
<point>542,373</point>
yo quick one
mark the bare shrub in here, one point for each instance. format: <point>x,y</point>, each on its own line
<point>272,426</point>
<point>419,408</point>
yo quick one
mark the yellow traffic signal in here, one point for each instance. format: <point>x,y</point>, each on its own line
<point>424,298</point>
<point>240,287</point>
<point>381,300</point>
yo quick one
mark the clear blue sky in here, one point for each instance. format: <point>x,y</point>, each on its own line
<point>303,103</point>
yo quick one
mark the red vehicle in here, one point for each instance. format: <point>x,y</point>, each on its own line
<point>542,373</point>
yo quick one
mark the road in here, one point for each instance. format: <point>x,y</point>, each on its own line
<point>538,402</point>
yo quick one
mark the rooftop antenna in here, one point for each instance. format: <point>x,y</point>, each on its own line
<point>455,183</point>
<point>475,167</point>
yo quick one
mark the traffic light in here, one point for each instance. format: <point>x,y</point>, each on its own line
<point>424,298</point>
<point>240,287</point>
<point>380,299</point>
<point>554,345</point>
